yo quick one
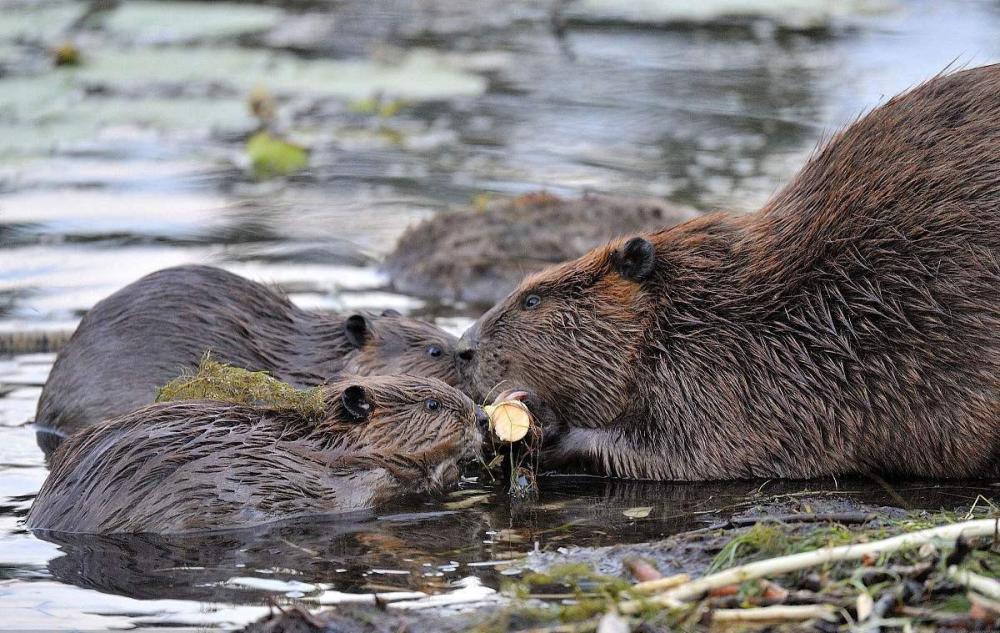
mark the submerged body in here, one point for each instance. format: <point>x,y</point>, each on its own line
<point>851,325</point>
<point>202,465</point>
<point>159,327</point>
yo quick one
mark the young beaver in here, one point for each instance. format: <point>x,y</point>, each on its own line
<point>202,465</point>
<point>851,325</point>
<point>139,338</point>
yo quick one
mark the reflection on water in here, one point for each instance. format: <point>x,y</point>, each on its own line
<point>425,548</point>
<point>134,161</point>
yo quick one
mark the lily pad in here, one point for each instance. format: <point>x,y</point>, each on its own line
<point>163,22</point>
<point>39,114</point>
<point>38,23</point>
<point>417,75</point>
<point>792,14</point>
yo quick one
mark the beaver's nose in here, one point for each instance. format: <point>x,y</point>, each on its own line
<point>467,345</point>
<point>482,420</point>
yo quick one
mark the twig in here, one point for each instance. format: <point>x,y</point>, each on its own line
<point>795,562</point>
<point>980,584</point>
<point>661,584</point>
<point>776,613</point>
<point>580,627</point>
<point>846,518</point>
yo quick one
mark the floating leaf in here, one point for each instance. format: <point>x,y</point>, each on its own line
<point>270,156</point>
<point>640,512</point>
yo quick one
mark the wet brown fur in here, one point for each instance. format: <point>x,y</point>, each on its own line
<point>159,327</point>
<point>201,465</point>
<point>851,325</point>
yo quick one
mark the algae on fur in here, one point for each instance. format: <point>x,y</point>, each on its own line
<point>218,381</point>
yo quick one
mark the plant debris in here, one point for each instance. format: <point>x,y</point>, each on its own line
<point>66,54</point>
<point>789,574</point>
<point>271,157</point>
<point>218,381</point>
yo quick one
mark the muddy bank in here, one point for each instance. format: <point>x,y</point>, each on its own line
<point>575,588</point>
<point>478,255</point>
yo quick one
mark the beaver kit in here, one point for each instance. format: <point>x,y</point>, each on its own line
<point>134,341</point>
<point>201,465</point>
<point>849,326</point>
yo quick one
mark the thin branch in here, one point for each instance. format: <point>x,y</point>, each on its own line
<point>795,562</point>
<point>776,613</point>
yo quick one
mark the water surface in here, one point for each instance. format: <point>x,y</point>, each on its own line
<point>134,161</point>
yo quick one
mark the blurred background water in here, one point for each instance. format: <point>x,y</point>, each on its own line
<point>135,159</point>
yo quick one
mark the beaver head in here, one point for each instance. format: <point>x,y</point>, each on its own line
<point>392,344</point>
<point>200,465</point>
<point>569,335</point>
<point>417,429</point>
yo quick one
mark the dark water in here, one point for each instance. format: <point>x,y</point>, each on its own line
<point>134,161</point>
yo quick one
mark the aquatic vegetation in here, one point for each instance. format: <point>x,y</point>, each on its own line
<point>217,381</point>
<point>789,14</point>
<point>415,75</point>
<point>271,156</point>
<point>66,54</point>
<point>185,21</point>
<point>42,23</point>
<point>383,108</point>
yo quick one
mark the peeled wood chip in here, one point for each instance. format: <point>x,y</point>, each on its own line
<point>510,420</point>
<point>468,502</point>
<point>661,584</point>
<point>641,570</point>
<point>865,605</point>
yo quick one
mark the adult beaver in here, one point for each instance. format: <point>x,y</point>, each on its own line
<point>202,464</point>
<point>133,342</point>
<point>851,325</point>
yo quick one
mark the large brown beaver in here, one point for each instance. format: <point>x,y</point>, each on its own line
<point>136,340</point>
<point>851,325</point>
<point>201,465</point>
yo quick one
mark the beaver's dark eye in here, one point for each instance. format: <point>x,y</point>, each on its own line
<point>434,351</point>
<point>432,405</point>
<point>531,302</point>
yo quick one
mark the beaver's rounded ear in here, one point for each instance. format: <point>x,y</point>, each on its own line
<point>356,330</point>
<point>389,312</point>
<point>356,405</point>
<point>635,260</point>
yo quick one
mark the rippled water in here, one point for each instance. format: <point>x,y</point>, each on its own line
<point>133,162</point>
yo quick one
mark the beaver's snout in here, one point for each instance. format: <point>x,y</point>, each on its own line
<point>482,420</point>
<point>469,343</point>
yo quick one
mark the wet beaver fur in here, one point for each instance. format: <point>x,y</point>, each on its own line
<point>159,327</point>
<point>851,325</point>
<point>479,255</point>
<point>203,465</point>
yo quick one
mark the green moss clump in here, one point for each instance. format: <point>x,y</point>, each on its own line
<point>218,381</point>
<point>593,594</point>
<point>271,157</point>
